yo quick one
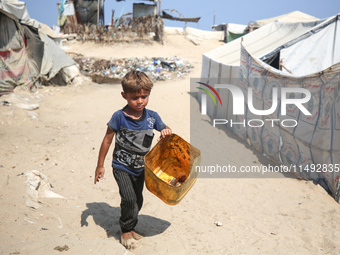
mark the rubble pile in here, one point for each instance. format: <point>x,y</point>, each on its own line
<point>113,71</point>
<point>126,28</point>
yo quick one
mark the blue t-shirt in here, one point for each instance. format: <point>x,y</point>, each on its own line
<point>133,139</point>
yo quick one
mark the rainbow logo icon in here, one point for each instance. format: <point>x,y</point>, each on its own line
<point>209,93</point>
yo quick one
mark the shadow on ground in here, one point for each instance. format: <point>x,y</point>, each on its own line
<point>107,217</point>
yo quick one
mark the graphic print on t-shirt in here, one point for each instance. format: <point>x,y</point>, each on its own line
<point>131,146</point>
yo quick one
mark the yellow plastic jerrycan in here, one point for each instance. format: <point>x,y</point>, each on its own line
<point>170,168</point>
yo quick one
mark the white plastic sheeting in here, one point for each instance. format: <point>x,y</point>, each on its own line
<point>224,62</point>
<point>202,34</point>
<point>38,186</point>
<point>295,16</point>
<point>236,28</point>
<point>301,59</point>
<point>259,42</point>
<point>15,10</point>
<point>315,141</point>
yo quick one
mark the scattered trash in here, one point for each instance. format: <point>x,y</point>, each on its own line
<point>38,186</point>
<point>32,204</point>
<point>218,223</point>
<point>113,71</point>
<point>5,103</point>
<point>29,221</point>
<point>28,106</point>
<point>60,224</point>
<point>38,181</point>
<point>62,248</point>
<point>21,99</point>
<point>33,115</point>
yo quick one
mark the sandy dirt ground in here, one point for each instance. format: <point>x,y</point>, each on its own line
<point>61,140</point>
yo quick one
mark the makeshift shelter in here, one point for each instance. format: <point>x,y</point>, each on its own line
<point>324,52</point>
<point>231,31</point>
<point>235,31</point>
<point>203,34</point>
<point>311,60</point>
<point>80,12</point>
<point>295,16</point>
<point>14,68</point>
<point>166,15</point>
<point>27,53</point>
<point>223,63</point>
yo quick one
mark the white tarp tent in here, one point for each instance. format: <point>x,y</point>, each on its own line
<point>300,59</point>
<point>194,33</point>
<point>223,63</point>
<point>314,144</point>
<point>295,16</point>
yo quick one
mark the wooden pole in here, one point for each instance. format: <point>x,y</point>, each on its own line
<point>98,14</point>
<point>103,13</point>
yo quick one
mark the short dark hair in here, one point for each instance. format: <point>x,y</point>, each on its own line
<point>135,81</point>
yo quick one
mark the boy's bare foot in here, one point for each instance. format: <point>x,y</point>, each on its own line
<point>135,235</point>
<point>127,240</point>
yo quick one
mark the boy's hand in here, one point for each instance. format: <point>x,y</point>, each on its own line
<point>99,175</point>
<point>165,132</point>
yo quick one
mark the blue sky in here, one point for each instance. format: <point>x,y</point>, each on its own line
<point>234,11</point>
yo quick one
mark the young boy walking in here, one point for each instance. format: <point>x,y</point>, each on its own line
<point>133,126</point>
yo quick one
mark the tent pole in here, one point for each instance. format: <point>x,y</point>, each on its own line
<point>103,13</point>
<point>214,17</point>
<point>98,14</point>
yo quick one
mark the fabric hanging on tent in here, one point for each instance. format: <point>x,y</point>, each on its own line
<point>69,9</point>
<point>54,58</point>
<point>11,36</point>
<point>35,51</point>
<point>315,141</point>
<point>62,7</point>
<point>14,70</point>
<point>27,53</point>
<point>232,36</point>
<point>325,52</point>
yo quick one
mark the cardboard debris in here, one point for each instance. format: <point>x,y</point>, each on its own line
<point>38,186</point>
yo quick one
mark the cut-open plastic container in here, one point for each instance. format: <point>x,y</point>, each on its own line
<point>170,168</point>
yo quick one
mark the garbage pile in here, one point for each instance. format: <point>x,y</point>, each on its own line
<point>113,71</point>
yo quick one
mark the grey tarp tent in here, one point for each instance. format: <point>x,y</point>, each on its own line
<point>27,53</point>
